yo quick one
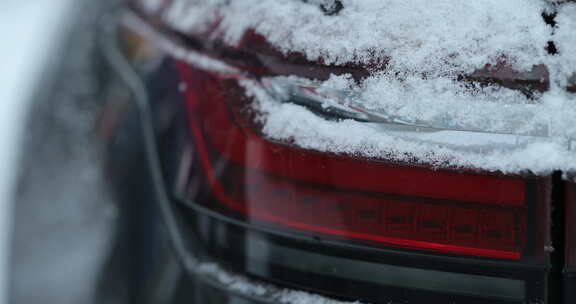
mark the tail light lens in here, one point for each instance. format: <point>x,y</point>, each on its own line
<point>483,234</point>
<point>343,197</point>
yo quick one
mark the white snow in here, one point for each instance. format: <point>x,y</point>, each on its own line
<point>565,38</point>
<point>245,286</point>
<point>421,47</point>
<point>296,123</point>
<point>28,31</point>
<point>418,35</point>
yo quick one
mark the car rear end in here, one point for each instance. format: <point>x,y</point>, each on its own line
<point>267,218</point>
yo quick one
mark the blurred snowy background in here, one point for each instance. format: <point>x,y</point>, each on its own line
<point>56,214</point>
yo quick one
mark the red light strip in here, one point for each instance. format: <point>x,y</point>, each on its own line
<point>193,100</point>
<point>378,176</point>
<point>359,174</point>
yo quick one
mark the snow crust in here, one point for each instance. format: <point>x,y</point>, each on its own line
<point>565,38</point>
<point>417,49</point>
<point>417,35</point>
<point>303,128</point>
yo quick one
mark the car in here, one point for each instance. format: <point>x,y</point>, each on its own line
<point>333,151</point>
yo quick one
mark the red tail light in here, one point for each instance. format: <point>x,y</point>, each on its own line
<point>337,224</point>
<point>351,199</point>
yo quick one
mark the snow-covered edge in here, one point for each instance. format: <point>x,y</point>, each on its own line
<point>247,287</point>
<point>285,122</point>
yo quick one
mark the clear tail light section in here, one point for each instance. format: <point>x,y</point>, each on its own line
<point>347,198</point>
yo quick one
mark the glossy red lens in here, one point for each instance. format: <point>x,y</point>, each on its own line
<point>344,197</point>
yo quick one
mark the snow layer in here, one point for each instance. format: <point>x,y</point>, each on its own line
<point>565,39</point>
<point>419,35</point>
<point>247,287</point>
<point>418,49</point>
<point>296,123</point>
